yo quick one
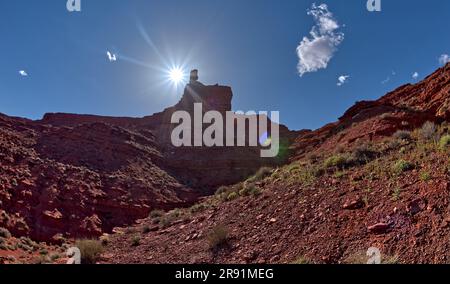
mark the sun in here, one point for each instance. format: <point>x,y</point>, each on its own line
<point>176,75</point>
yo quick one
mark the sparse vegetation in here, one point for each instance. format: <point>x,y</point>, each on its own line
<point>146,229</point>
<point>396,194</point>
<point>199,207</point>
<point>428,132</point>
<point>156,214</point>
<point>232,196</point>
<point>249,189</point>
<point>302,260</point>
<point>425,176</point>
<point>401,166</point>
<point>337,161</point>
<point>217,237</point>
<point>4,233</point>
<point>444,142</point>
<point>136,241</point>
<point>90,250</point>
<point>260,174</point>
<point>403,135</point>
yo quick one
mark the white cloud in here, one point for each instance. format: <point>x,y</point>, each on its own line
<point>111,56</point>
<point>388,79</point>
<point>23,73</point>
<point>316,51</point>
<point>415,75</point>
<point>342,80</point>
<point>444,59</point>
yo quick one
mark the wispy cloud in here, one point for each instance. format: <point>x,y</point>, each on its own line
<point>111,56</point>
<point>342,80</point>
<point>388,79</point>
<point>316,51</point>
<point>23,73</point>
<point>415,75</point>
<point>444,59</point>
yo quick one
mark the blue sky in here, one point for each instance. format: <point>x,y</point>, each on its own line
<point>249,45</point>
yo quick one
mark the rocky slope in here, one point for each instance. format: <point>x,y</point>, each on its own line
<point>71,176</point>
<point>379,177</point>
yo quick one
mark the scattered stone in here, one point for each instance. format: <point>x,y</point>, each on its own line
<point>379,228</point>
<point>354,204</point>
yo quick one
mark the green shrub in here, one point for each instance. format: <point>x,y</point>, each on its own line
<point>90,250</point>
<point>156,214</point>
<point>221,190</point>
<point>249,189</point>
<point>43,252</point>
<point>396,194</point>
<point>337,161</point>
<point>217,237</point>
<point>425,176</point>
<point>232,196</point>
<point>302,260</point>
<point>444,142</point>
<point>54,257</point>
<point>401,166</point>
<point>198,208</point>
<point>136,241</point>
<point>5,233</point>
<point>261,174</point>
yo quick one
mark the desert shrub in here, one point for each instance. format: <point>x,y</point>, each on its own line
<point>156,214</point>
<point>401,166</point>
<point>444,142</point>
<point>2,240</point>
<point>90,250</point>
<point>428,132</point>
<point>362,154</point>
<point>425,176</point>
<point>198,208</point>
<point>249,189</point>
<point>217,237</point>
<point>232,196</point>
<point>261,174</point>
<point>386,115</point>
<point>43,252</point>
<point>336,161</point>
<point>396,194</point>
<point>165,221</point>
<point>135,241</point>
<point>403,135</point>
<point>55,257</point>
<point>5,233</point>
<point>393,144</point>
<point>146,229</point>
<point>302,260</point>
<point>221,190</point>
<point>41,259</point>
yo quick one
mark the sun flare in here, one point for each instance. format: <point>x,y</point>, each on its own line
<point>176,75</point>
